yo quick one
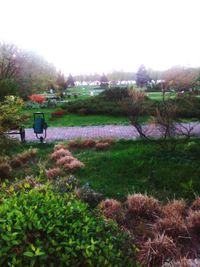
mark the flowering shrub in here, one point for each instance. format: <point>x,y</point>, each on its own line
<point>37,99</point>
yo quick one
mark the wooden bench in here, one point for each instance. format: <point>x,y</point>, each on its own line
<point>20,131</point>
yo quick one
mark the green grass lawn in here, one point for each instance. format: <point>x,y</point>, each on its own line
<point>158,95</point>
<point>132,166</point>
<point>75,119</point>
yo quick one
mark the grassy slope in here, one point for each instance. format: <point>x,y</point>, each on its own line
<point>129,167</point>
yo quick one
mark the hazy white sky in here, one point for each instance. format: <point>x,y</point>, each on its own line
<point>86,36</point>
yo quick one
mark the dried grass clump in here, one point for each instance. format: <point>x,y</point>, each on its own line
<point>155,252</point>
<point>102,146</point>
<point>59,146</point>
<point>193,221</point>
<point>184,262</point>
<point>174,227</point>
<point>87,143</point>
<point>64,160</point>
<point>143,205</point>
<point>27,155</point>
<point>110,141</point>
<point>73,165</point>
<point>16,163</point>
<point>174,208</point>
<point>5,170</point>
<point>73,144</point>
<point>196,204</point>
<point>111,209</point>
<point>53,173</point>
<point>59,154</point>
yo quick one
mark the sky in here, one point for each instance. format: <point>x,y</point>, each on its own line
<point>88,36</point>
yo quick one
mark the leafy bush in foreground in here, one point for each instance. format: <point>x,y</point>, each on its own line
<point>43,228</point>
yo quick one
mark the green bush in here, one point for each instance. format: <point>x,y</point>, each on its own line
<point>44,228</point>
<point>115,94</point>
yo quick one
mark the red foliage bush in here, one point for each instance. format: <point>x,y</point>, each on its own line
<point>58,113</point>
<point>37,98</point>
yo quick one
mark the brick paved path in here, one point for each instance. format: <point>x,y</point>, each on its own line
<point>115,131</point>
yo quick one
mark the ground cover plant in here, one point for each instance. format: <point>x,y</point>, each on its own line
<point>67,235</point>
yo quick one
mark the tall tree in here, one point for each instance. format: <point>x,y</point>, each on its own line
<point>142,77</point>
<point>104,81</point>
<point>70,81</point>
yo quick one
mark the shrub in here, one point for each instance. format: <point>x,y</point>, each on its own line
<point>142,205</point>
<point>25,184</point>
<point>37,98</point>
<point>58,113</point>
<point>5,170</point>
<point>42,228</point>
<point>54,173</point>
<point>154,253</point>
<point>115,94</point>
<point>31,105</point>
<point>66,184</point>
<point>89,196</point>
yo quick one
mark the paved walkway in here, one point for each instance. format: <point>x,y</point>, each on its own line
<point>114,131</point>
